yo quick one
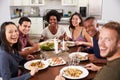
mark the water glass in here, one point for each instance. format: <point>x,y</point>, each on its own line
<point>43,56</point>
<point>73,61</point>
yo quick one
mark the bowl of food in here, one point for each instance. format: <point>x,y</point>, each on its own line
<point>74,72</point>
<point>47,45</point>
<point>41,64</point>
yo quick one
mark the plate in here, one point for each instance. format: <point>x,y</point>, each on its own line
<point>47,45</point>
<point>53,40</point>
<point>27,48</point>
<point>74,72</point>
<point>56,61</point>
<point>1,78</point>
<point>70,43</point>
<point>80,55</point>
<point>41,64</point>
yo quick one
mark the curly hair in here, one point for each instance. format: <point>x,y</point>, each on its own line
<point>52,13</point>
<point>81,23</point>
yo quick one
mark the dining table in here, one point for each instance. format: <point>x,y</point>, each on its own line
<point>51,72</point>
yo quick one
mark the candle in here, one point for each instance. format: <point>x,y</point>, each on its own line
<point>63,45</point>
<point>56,46</point>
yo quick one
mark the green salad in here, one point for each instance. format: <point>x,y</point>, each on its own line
<point>47,46</point>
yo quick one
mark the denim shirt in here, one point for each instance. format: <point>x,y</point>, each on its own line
<point>9,63</point>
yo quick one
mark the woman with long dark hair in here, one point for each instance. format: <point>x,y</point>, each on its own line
<point>9,57</point>
<point>79,34</point>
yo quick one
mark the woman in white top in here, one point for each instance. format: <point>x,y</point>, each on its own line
<point>53,30</point>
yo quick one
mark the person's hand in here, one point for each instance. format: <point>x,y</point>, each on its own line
<point>92,67</point>
<point>36,46</point>
<point>67,38</point>
<point>62,36</point>
<point>30,57</point>
<point>91,57</point>
<point>78,42</point>
<point>33,71</point>
<point>59,77</point>
<point>42,38</point>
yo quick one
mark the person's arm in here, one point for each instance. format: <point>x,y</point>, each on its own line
<point>65,33</point>
<point>43,34</point>
<point>92,67</point>
<point>35,47</point>
<point>94,59</point>
<point>59,77</point>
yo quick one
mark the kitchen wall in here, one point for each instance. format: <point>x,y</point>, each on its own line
<point>49,4</point>
<point>4,11</point>
<point>111,10</point>
<point>56,4</point>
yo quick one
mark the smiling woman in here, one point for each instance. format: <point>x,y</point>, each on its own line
<point>53,30</point>
<point>9,56</point>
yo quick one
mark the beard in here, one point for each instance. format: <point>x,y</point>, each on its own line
<point>113,51</point>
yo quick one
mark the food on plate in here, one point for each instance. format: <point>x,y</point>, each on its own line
<point>73,72</point>
<point>81,57</point>
<point>47,45</point>
<point>56,61</point>
<point>38,64</point>
<point>26,48</point>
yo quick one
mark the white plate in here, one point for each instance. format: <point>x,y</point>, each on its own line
<point>82,75</point>
<point>27,64</point>
<point>80,55</point>
<point>70,43</point>
<point>27,48</point>
<point>1,78</point>
<point>56,61</point>
<point>52,40</point>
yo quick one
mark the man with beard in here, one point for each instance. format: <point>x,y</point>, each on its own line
<point>109,44</point>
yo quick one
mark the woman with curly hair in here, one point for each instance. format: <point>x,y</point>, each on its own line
<point>53,30</point>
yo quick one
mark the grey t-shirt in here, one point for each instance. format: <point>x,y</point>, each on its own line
<point>109,72</point>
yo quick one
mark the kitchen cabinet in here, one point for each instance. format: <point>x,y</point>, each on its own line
<point>15,2</point>
<point>37,2</point>
<point>95,8</point>
<point>69,2</point>
<point>19,2</point>
<point>36,26</point>
<point>15,20</point>
<point>25,2</point>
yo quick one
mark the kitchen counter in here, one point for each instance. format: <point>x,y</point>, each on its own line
<point>27,16</point>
